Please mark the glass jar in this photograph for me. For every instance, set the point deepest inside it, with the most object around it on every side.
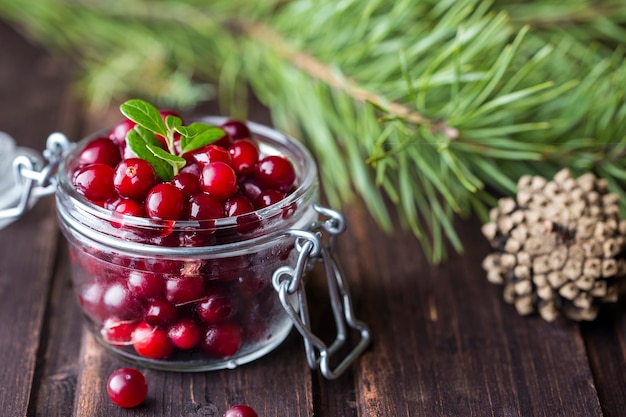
(200, 295)
(137, 279)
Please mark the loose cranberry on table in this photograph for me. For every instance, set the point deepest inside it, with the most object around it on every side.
(240, 410)
(127, 387)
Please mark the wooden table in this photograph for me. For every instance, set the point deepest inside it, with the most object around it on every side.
(445, 344)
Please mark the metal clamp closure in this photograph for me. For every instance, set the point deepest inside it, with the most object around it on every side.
(33, 177)
(288, 283)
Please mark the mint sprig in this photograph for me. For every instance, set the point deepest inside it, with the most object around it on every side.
(143, 140)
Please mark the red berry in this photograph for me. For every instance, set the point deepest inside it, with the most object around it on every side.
(236, 129)
(117, 332)
(245, 155)
(209, 153)
(193, 168)
(120, 302)
(95, 182)
(185, 334)
(240, 410)
(203, 206)
(187, 182)
(218, 179)
(160, 313)
(90, 299)
(134, 177)
(237, 206)
(184, 289)
(241, 207)
(151, 342)
(222, 339)
(112, 202)
(100, 151)
(127, 387)
(145, 285)
(119, 132)
(129, 207)
(165, 202)
(224, 141)
(275, 172)
(218, 306)
(267, 198)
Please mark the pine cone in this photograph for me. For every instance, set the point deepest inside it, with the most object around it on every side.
(559, 246)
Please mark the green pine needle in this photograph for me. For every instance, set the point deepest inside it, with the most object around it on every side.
(424, 109)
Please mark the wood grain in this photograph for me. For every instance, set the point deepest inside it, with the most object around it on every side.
(32, 86)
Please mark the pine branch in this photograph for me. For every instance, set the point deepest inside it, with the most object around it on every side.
(437, 107)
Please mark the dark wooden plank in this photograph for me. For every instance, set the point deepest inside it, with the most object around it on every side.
(605, 340)
(273, 384)
(445, 343)
(57, 366)
(31, 86)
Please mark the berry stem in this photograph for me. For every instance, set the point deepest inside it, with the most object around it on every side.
(171, 148)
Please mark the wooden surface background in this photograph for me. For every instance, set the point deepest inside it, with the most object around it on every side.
(444, 343)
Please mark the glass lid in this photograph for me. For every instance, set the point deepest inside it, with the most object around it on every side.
(10, 192)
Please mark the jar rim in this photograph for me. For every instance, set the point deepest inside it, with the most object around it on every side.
(270, 139)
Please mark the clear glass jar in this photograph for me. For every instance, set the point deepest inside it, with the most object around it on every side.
(127, 271)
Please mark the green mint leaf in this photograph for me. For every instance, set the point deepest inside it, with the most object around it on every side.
(148, 136)
(197, 135)
(189, 132)
(144, 114)
(140, 147)
(172, 122)
(176, 162)
(193, 129)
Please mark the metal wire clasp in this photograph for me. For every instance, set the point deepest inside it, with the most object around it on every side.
(33, 177)
(288, 282)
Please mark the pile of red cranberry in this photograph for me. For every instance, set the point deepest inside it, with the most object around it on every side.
(160, 307)
(223, 179)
